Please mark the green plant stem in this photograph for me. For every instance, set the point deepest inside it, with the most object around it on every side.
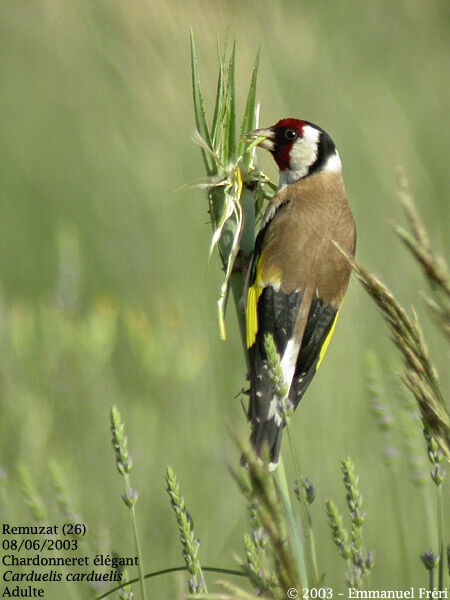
(429, 513)
(312, 543)
(136, 541)
(296, 536)
(173, 570)
(294, 457)
(440, 514)
(246, 245)
(281, 481)
(305, 513)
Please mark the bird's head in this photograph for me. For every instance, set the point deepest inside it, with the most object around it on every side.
(299, 148)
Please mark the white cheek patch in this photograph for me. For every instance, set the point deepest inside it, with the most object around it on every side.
(304, 151)
(303, 154)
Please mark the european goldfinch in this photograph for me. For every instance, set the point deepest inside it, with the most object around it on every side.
(297, 277)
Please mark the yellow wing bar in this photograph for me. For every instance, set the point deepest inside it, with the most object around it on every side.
(254, 292)
(327, 341)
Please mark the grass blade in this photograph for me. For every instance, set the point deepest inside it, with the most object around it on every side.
(200, 116)
(230, 119)
(219, 108)
(249, 120)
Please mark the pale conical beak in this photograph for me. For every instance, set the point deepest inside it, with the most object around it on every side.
(268, 143)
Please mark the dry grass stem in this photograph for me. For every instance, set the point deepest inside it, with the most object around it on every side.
(420, 376)
(433, 265)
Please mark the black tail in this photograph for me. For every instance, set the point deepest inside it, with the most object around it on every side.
(266, 440)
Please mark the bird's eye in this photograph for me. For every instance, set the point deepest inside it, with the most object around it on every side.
(290, 135)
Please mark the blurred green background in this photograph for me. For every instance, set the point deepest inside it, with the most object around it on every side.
(103, 258)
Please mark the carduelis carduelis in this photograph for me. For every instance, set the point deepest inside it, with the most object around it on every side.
(297, 277)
